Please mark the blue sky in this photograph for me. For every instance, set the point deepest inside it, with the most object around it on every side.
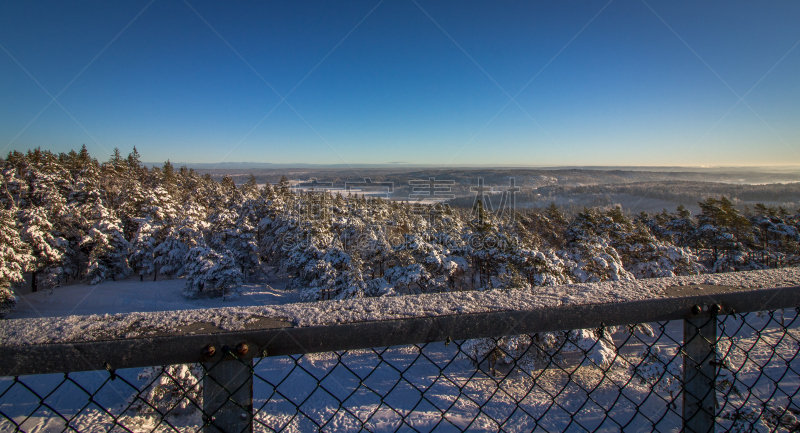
(410, 82)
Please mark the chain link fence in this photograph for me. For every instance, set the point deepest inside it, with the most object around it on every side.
(726, 372)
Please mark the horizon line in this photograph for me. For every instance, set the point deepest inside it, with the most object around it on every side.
(299, 165)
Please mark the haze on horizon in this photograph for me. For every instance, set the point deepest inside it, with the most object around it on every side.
(245, 165)
(609, 83)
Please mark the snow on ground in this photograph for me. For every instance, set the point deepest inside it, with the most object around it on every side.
(87, 328)
(132, 295)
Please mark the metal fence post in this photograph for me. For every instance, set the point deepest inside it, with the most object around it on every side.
(228, 396)
(699, 373)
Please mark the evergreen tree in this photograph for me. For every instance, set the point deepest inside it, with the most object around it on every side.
(545, 268)
(249, 190)
(116, 161)
(590, 239)
(682, 229)
(283, 186)
(14, 259)
(234, 230)
(212, 274)
(554, 226)
(47, 250)
(727, 236)
(109, 250)
(647, 257)
(776, 238)
(134, 162)
(185, 234)
(143, 247)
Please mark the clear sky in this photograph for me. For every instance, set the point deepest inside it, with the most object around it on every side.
(621, 82)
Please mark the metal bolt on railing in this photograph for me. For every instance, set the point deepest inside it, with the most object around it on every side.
(208, 351)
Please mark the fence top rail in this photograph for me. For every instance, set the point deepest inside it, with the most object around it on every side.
(92, 328)
(110, 341)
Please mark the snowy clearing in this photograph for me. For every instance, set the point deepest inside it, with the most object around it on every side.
(132, 295)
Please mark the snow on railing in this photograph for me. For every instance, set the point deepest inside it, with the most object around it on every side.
(519, 358)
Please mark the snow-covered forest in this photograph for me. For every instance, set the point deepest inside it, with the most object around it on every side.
(69, 217)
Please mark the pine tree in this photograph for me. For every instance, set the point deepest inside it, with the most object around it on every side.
(590, 239)
(143, 247)
(375, 249)
(159, 215)
(545, 268)
(234, 230)
(283, 186)
(349, 282)
(185, 234)
(480, 241)
(777, 240)
(116, 161)
(647, 257)
(134, 162)
(682, 229)
(14, 259)
(109, 250)
(168, 176)
(249, 189)
(555, 225)
(727, 235)
(47, 250)
(211, 274)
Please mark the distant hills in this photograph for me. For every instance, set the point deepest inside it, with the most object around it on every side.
(403, 165)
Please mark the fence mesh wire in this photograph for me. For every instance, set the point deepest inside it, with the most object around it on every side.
(627, 378)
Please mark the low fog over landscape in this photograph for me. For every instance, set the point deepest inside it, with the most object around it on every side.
(635, 189)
